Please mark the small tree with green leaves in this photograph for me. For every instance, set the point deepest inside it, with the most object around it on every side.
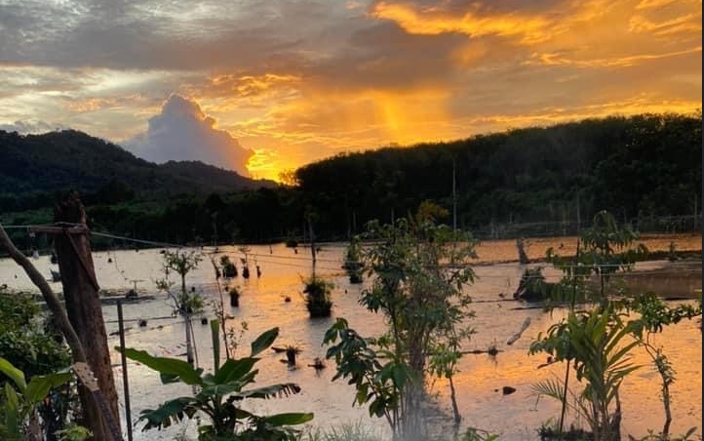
(317, 293)
(352, 263)
(229, 269)
(603, 250)
(186, 303)
(420, 270)
(654, 316)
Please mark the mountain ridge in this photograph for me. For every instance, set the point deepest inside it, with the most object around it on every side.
(57, 161)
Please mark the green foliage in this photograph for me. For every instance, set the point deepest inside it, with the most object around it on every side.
(689, 435)
(603, 250)
(593, 340)
(228, 267)
(419, 271)
(74, 433)
(595, 343)
(346, 432)
(24, 339)
(638, 166)
(28, 342)
(654, 315)
(71, 159)
(220, 395)
(352, 263)
(317, 296)
(182, 263)
(20, 399)
(475, 434)
(632, 166)
(378, 385)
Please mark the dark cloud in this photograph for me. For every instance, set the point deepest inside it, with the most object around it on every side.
(384, 56)
(162, 35)
(182, 132)
(31, 126)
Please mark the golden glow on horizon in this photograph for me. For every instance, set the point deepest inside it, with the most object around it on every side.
(379, 72)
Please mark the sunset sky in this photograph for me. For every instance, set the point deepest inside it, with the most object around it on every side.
(262, 86)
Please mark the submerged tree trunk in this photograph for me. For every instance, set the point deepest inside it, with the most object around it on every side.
(455, 408)
(84, 311)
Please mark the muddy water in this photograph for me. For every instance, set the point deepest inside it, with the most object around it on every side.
(262, 306)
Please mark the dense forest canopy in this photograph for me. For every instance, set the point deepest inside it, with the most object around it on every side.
(645, 165)
(635, 167)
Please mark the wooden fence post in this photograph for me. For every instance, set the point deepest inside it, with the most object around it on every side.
(80, 288)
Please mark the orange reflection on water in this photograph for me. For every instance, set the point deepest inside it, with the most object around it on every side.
(497, 250)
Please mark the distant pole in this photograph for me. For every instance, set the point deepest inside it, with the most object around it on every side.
(454, 198)
(125, 382)
(579, 217)
(312, 242)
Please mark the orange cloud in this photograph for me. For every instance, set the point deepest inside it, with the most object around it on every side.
(689, 23)
(351, 77)
(556, 59)
(433, 21)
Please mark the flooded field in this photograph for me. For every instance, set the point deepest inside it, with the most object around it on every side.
(262, 306)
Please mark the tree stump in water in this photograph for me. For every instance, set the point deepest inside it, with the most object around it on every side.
(522, 256)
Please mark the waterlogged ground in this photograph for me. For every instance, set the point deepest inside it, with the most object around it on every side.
(515, 417)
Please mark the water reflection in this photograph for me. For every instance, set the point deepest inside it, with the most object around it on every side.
(481, 378)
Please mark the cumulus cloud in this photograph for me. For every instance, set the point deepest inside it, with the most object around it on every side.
(183, 132)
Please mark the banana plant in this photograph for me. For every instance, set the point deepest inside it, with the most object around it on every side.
(220, 396)
(596, 343)
(19, 404)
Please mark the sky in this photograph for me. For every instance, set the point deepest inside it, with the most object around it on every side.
(265, 86)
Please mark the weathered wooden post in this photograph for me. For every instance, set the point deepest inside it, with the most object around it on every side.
(80, 288)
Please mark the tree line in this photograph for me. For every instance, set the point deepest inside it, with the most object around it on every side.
(634, 167)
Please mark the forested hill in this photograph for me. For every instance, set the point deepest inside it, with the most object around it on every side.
(35, 167)
(632, 166)
(526, 182)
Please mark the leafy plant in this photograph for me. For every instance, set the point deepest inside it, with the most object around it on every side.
(228, 267)
(652, 436)
(19, 405)
(317, 296)
(352, 263)
(654, 316)
(378, 385)
(594, 342)
(220, 395)
(603, 250)
(185, 303)
(29, 343)
(419, 271)
(475, 434)
(74, 433)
